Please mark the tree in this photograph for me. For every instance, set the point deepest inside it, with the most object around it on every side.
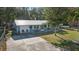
(36, 13)
(10, 14)
(55, 16)
(73, 16)
(2, 15)
(7, 15)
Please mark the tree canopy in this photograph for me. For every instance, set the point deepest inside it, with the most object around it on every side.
(55, 15)
(64, 15)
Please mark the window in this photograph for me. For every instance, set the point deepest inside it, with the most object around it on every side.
(26, 30)
(34, 26)
(30, 27)
(44, 25)
(22, 30)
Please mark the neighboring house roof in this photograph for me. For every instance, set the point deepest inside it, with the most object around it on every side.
(30, 22)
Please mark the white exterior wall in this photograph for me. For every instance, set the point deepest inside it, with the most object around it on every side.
(24, 28)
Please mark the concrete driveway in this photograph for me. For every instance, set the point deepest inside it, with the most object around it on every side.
(30, 44)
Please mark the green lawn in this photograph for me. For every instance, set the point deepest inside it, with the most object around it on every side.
(64, 39)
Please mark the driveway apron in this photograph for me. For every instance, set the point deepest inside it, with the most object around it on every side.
(30, 44)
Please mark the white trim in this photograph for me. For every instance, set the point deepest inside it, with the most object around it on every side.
(30, 22)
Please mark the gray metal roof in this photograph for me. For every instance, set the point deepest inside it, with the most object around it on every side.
(30, 22)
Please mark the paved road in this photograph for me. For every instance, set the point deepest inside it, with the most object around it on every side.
(30, 44)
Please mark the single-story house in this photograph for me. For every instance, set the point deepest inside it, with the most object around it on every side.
(26, 26)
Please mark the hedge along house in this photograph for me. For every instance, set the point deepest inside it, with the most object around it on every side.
(29, 26)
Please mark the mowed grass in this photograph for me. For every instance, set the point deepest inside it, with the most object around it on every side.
(64, 39)
(70, 34)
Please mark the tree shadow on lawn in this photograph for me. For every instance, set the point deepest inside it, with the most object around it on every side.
(67, 45)
(62, 32)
